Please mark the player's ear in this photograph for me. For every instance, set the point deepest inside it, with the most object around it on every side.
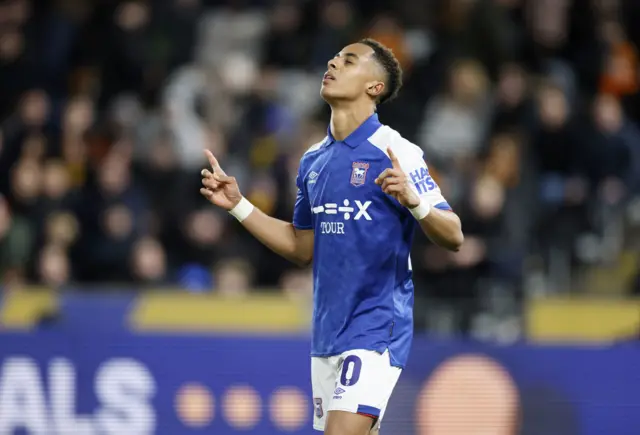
(375, 89)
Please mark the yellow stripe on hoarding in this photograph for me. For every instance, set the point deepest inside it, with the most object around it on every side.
(184, 312)
(582, 320)
(547, 320)
(24, 309)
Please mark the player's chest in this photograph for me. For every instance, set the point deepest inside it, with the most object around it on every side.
(343, 183)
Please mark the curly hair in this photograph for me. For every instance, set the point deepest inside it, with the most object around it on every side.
(384, 56)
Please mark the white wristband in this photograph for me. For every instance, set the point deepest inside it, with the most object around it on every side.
(242, 210)
(421, 210)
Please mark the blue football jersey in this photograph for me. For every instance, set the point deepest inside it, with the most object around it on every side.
(363, 291)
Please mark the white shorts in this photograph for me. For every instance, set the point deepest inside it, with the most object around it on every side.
(358, 381)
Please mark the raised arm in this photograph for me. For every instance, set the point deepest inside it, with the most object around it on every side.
(422, 197)
(294, 244)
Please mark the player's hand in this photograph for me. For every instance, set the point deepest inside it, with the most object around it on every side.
(219, 188)
(394, 182)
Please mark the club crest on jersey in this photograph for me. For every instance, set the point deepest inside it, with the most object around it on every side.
(359, 173)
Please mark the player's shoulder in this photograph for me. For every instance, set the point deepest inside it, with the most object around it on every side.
(313, 150)
(386, 137)
(315, 147)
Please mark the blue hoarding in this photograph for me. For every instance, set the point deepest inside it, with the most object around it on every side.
(115, 382)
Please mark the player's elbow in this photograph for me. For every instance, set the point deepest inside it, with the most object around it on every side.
(301, 257)
(455, 236)
(304, 261)
(456, 241)
(302, 249)
(448, 234)
(452, 240)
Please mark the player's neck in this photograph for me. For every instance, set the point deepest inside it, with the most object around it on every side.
(346, 119)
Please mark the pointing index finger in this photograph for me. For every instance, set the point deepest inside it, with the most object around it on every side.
(394, 160)
(214, 162)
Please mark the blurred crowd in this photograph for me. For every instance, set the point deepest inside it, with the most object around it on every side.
(527, 110)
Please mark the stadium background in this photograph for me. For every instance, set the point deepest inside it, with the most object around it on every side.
(130, 306)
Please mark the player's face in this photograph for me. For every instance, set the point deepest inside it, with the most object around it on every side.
(352, 74)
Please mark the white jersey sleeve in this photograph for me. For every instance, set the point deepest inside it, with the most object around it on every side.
(411, 158)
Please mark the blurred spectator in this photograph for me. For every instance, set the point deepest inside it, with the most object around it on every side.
(202, 230)
(16, 242)
(195, 278)
(457, 280)
(513, 111)
(481, 30)
(56, 183)
(609, 150)
(61, 229)
(387, 29)
(456, 122)
(148, 264)
(504, 159)
(563, 185)
(233, 277)
(557, 140)
(27, 186)
(54, 269)
(335, 30)
(283, 47)
(34, 147)
(78, 116)
(620, 76)
(34, 109)
(235, 27)
(298, 284)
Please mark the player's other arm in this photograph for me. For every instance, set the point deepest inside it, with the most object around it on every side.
(296, 245)
(281, 237)
(442, 226)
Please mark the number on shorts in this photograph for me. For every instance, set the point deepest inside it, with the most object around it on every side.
(350, 370)
(317, 401)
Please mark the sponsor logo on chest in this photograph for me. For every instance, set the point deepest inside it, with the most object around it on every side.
(346, 211)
